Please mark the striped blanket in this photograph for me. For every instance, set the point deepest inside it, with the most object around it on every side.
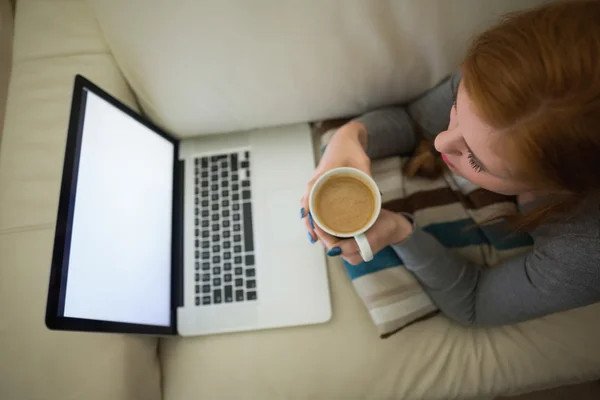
(450, 208)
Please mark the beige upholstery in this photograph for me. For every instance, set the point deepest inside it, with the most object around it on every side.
(343, 359)
(53, 40)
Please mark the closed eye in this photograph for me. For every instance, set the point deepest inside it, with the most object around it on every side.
(474, 163)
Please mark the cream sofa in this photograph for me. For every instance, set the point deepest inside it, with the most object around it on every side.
(201, 67)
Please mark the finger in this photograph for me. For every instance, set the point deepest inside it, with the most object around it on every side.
(309, 224)
(304, 203)
(337, 246)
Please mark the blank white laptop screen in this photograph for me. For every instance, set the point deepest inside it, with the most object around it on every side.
(119, 265)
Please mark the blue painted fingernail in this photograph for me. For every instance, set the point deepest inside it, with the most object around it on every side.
(336, 251)
(302, 213)
(310, 238)
(312, 224)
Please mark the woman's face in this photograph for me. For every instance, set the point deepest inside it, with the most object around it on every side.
(469, 148)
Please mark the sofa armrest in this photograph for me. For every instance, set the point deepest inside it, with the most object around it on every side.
(54, 40)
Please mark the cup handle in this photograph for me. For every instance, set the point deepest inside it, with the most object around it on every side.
(364, 247)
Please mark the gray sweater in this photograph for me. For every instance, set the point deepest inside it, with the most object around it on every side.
(561, 272)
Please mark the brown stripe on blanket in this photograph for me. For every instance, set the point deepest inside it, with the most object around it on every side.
(392, 296)
(480, 198)
(391, 327)
(421, 200)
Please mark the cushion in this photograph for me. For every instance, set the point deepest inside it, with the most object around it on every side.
(202, 67)
(54, 40)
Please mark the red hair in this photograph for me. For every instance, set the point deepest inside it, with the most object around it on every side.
(535, 77)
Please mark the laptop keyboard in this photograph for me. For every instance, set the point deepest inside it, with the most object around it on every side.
(223, 240)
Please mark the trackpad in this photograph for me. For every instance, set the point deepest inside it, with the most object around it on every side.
(283, 210)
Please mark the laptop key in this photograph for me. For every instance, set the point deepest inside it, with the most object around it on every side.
(227, 278)
(238, 270)
(205, 288)
(246, 195)
(234, 162)
(215, 228)
(250, 272)
(205, 244)
(245, 184)
(197, 300)
(204, 213)
(235, 197)
(217, 281)
(217, 296)
(235, 207)
(197, 277)
(214, 168)
(226, 245)
(197, 222)
(226, 234)
(214, 187)
(215, 217)
(204, 184)
(204, 162)
(205, 193)
(227, 256)
(249, 259)
(216, 248)
(197, 289)
(251, 284)
(225, 184)
(239, 295)
(215, 207)
(204, 203)
(217, 270)
(205, 255)
(237, 238)
(197, 266)
(226, 223)
(205, 300)
(238, 259)
(239, 282)
(214, 178)
(205, 277)
(228, 294)
(217, 259)
(237, 249)
(227, 266)
(234, 177)
(205, 266)
(251, 295)
(225, 202)
(236, 217)
(205, 234)
(204, 223)
(245, 164)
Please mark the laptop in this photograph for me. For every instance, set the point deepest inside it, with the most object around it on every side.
(162, 236)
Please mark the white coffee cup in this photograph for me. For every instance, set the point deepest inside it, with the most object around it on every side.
(360, 237)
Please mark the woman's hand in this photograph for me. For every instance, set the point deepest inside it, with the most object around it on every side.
(389, 228)
(345, 149)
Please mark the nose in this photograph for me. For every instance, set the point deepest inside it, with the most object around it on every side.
(449, 142)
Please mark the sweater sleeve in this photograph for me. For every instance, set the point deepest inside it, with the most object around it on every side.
(395, 130)
(557, 275)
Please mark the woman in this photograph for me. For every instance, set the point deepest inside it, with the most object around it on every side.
(522, 118)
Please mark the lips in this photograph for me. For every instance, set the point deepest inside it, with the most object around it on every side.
(445, 158)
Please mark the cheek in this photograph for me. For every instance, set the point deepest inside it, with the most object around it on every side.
(493, 184)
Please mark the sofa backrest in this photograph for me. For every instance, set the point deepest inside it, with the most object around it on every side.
(202, 67)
